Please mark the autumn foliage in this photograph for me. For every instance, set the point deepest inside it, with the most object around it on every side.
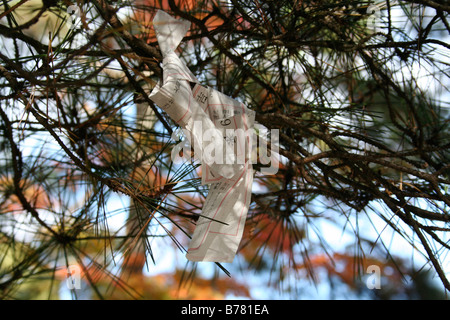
(88, 186)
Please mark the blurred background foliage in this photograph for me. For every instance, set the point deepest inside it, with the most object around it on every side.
(358, 90)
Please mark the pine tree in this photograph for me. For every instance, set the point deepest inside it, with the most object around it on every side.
(358, 91)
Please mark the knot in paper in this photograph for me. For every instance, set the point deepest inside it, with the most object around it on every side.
(217, 127)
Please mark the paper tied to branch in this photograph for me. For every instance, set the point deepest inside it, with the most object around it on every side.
(212, 120)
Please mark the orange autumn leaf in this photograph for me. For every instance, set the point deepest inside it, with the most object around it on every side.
(348, 267)
(92, 273)
(144, 18)
(204, 289)
(34, 194)
(275, 233)
(165, 286)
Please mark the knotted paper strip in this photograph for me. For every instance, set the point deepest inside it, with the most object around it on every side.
(207, 115)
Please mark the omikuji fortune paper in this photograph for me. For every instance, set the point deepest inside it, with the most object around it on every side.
(207, 114)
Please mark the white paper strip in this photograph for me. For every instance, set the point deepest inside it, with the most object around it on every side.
(217, 125)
